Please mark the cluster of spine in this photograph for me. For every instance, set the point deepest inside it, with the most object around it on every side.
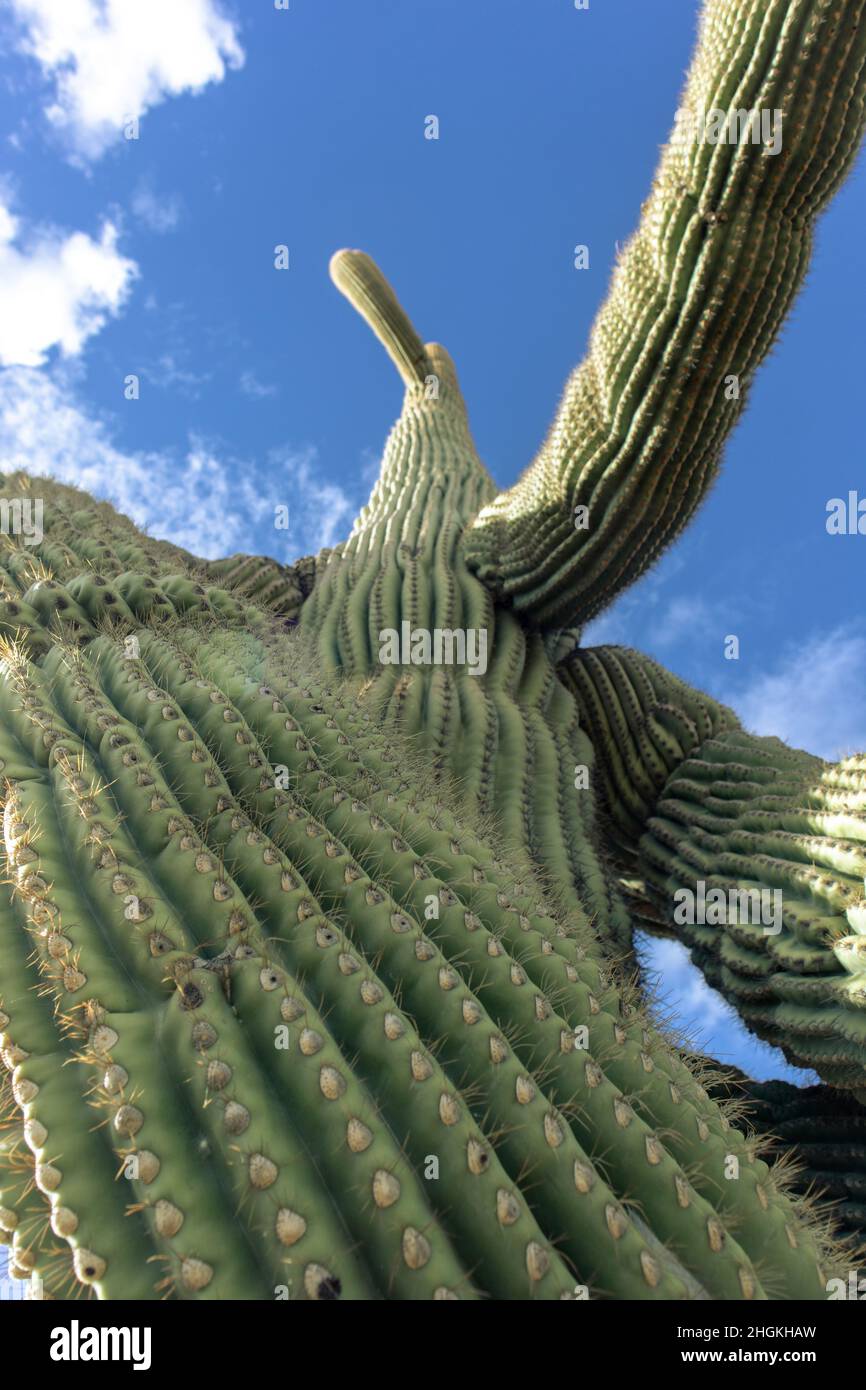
(257, 579)
(818, 1131)
(243, 955)
(705, 807)
(91, 569)
(697, 299)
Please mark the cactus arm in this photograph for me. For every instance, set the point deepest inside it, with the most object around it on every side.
(823, 1130)
(358, 277)
(697, 299)
(265, 582)
(697, 804)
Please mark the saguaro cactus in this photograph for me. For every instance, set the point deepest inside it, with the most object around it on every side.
(314, 955)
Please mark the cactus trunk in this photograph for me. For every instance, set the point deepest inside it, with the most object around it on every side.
(316, 941)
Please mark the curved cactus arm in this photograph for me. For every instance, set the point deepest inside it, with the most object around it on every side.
(358, 277)
(822, 1130)
(259, 579)
(755, 852)
(696, 301)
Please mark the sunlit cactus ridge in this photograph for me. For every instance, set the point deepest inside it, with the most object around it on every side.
(316, 967)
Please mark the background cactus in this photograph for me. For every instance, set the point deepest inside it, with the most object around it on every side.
(315, 968)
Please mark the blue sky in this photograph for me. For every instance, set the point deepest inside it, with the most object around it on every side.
(305, 127)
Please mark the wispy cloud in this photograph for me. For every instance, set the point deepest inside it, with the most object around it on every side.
(371, 466)
(814, 697)
(251, 386)
(168, 372)
(625, 622)
(110, 60)
(56, 289)
(682, 987)
(680, 620)
(159, 212)
(662, 617)
(202, 497)
(321, 512)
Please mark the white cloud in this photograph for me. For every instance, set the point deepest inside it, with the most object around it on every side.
(251, 386)
(115, 59)
(701, 1017)
(371, 466)
(56, 289)
(209, 503)
(683, 988)
(159, 214)
(811, 694)
(168, 372)
(816, 696)
(624, 623)
(681, 621)
(321, 512)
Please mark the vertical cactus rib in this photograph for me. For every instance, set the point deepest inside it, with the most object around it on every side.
(335, 820)
(468, 1139)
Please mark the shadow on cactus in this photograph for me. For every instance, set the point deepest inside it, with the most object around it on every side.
(315, 954)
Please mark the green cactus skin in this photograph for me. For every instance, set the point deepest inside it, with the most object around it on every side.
(823, 1130)
(694, 799)
(699, 295)
(315, 969)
